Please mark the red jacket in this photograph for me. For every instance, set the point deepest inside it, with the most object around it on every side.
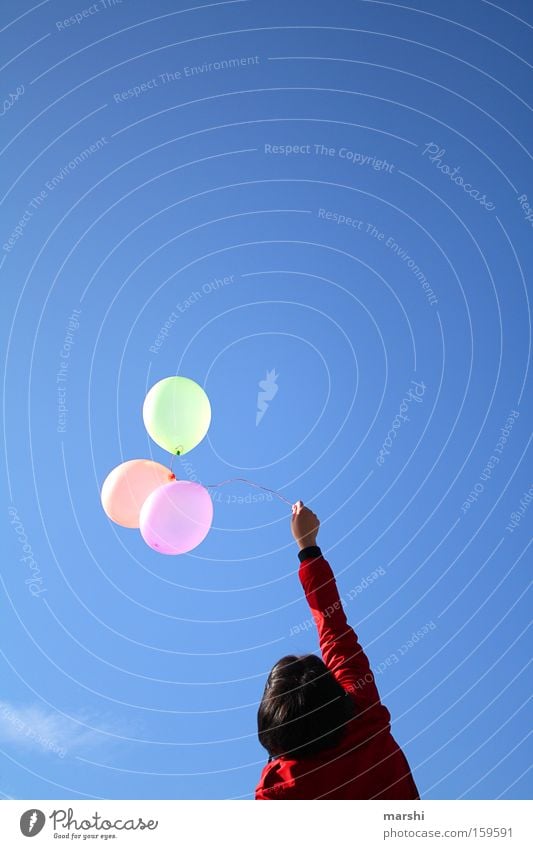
(367, 763)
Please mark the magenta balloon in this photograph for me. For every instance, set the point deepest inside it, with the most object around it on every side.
(176, 517)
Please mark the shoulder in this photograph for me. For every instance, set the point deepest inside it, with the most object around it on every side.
(276, 781)
(368, 723)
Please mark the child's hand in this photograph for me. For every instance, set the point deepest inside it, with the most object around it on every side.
(304, 525)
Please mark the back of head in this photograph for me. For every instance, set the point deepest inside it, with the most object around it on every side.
(304, 710)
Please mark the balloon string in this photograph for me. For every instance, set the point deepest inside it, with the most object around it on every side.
(230, 480)
(245, 480)
(177, 454)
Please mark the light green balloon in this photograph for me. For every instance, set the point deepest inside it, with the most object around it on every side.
(177, 414)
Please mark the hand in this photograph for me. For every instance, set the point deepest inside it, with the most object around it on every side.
(304, 525)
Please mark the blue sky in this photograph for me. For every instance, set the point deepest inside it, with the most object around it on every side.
(339, 197)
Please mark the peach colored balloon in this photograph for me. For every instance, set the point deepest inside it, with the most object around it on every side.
(127, 487)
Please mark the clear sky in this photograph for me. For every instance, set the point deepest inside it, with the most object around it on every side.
(334, 199)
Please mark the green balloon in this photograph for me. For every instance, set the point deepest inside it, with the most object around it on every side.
(177, 414)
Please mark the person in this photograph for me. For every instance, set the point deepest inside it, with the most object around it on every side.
(327, 734)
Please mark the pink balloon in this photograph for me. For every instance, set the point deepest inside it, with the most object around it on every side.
(127, 487)
(176, 517)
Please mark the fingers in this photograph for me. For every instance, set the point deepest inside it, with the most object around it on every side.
(299, 506)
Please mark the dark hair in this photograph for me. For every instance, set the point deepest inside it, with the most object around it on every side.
(303, 710)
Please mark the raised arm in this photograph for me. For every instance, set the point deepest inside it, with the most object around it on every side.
(339, 645)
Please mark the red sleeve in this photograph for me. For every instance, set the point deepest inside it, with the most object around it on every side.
(339, 645)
